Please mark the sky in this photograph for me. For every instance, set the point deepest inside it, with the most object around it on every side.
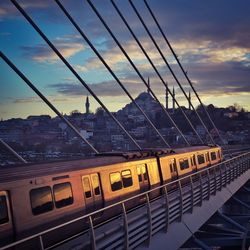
(211, 39)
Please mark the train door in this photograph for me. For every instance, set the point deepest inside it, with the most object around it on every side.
(173, 169)
(142, 172)
(6, 224)
(92, 192)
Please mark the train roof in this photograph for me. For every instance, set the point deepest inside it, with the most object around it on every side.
(55, 167)
(32, 170)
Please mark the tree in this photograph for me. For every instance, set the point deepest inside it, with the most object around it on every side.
(99, 111)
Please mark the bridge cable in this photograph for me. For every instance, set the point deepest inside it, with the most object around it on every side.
(169, 67)
(28, 18)
(25, 79)
(135, 68)
(13, 151)
(155, 69)
(182, 69)
(110, 70)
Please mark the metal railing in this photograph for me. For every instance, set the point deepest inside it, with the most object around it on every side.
(132, 227)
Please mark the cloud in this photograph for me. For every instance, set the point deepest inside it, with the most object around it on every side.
(74, 89)
(67, 45)
(80, 68)
(8, 10)
(209, 52)
(26, 100)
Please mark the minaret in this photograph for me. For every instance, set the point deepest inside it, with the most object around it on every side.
(173, 100)
(87, 105)
(189, 100)
(148, 86)
(166, 98)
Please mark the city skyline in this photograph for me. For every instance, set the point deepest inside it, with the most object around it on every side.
(212, 43)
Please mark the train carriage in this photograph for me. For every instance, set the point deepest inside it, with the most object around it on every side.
(35, 197)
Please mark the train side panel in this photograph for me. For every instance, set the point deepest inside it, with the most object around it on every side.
(50, 201)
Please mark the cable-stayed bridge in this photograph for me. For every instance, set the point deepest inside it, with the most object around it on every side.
(203, 209)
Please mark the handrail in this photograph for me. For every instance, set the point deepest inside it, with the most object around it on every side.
(146, 193)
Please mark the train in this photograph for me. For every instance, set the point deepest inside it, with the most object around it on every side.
(35, 197)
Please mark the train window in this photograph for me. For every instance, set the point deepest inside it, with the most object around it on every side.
(115, 180)
(213, 156)
(201, 159)
(86, 187)
(63, 194)
(127, 178)
(96, 184)
(144, 172)
(184, 163)
(139, 174)
(41, 200)
(4, 217)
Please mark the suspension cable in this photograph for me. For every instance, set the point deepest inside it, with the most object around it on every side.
(28, 18)
(13, 151)
(25, 79)
(109, 69)
(154, 67)
(182, 69)
(135, 68)
(169, 67)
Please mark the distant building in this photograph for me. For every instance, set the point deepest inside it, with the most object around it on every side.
(86, 133)
(173, 101)
(87, 105)
(231, 114)
(148, 89)
(189, 100)
(200, 130)
(166, 98)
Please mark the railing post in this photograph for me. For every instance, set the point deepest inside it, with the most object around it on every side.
(201, 189)
(208, 185)
(221, 184)
(149, 219)
(227, 173)
(192, 194)
(235, 170)
(92, 234)
(41, 242)
(240, 170)
(231, 171)
(181, 199)
(248, 162)
(215, 181)
(125, 224)
(245, 161)
(244, 166)
(166, 207)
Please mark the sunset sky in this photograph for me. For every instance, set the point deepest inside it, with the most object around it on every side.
(211, 38)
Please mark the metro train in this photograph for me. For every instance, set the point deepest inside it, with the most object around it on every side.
(35, 197)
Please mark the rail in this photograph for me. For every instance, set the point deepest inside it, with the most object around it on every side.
(131, 227)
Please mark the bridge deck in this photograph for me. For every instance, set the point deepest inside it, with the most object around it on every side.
(169, 219)
(179, 232)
